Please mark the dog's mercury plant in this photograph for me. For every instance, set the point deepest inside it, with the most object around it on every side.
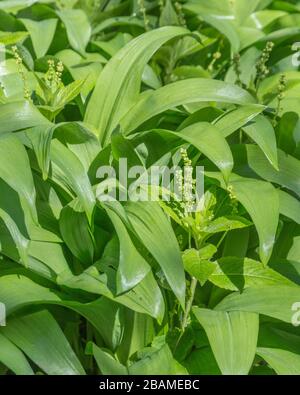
(180, 13)
(54, 74)
(262, 69)
(280, 94)
(21, 72)
(215, 57)
(237, 68)
(143, 12)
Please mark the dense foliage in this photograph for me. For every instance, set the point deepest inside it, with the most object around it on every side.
(147, 287)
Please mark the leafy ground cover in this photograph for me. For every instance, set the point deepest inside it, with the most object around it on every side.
(94, 287)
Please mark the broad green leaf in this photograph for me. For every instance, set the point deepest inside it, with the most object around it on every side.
(234, 10)
(70, 173)
(193, 90)
(263, 18)
(13, 358)
(41, 34)
(39, 336)
(118, 21)
(264, 211)
(261, 201)
(40, 139)
(74, 228)
(8, 38)
(202, 362)
(18, 291)
(15, 5)
(261, 131)
(226, 17)
(132, 342)
(145, 298)
(274, 301)
(197, 266)
(78, 37)
(68, 93)
(289, 206)
(19, 166)
(168, 15)
(237, 274)
(236, 243)
(209, 141)
(41, 251)
(22, 243)
(226, 224)
(80, 140)
(118, 86)
(132, 267)
(107, 364)
(232, 336)
(20, 115)
(110, 311)
(157, 362)
(250, 156)
(153, 229)
(282, 361)
(235, 119)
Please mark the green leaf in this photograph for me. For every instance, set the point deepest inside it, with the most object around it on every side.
(289, 206)
(13, 358)
(202, 362)
(108, 365)
(236, 243)
(192, 90)
(20, 115)
(68, 93)
(261, 201)
(145, 298)
(41, 34)
(273, 301)
(197, 266)
(22, 243)
(14, 6)
(42, 340)
(201, 135)
(19, 166)
(41, 251)
(118, 21)
(226, 224)
(8, 38)
(74, 228)
(78, 37)
(168, 15)
(132, 342)
(250, 156)
(158, 362)
(282, 361)
(40, 139)
(232, 336)
(261, 131)
(235, 119)
(132, 268)
(237, 274)
(70, 173)
(153, 229)
(118, 86)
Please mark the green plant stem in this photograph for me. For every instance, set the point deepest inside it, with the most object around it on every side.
(189, 303)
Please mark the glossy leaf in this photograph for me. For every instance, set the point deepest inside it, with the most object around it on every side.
(232, 336)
